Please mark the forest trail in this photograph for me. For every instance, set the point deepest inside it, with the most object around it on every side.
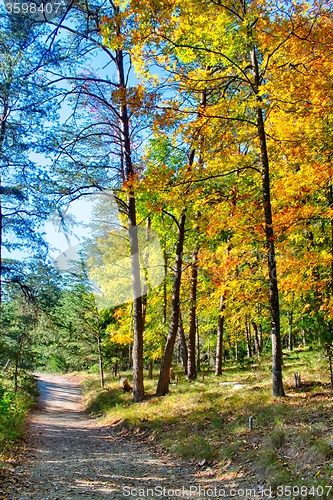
(75, 458)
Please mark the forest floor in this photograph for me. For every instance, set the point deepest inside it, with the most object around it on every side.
(289, 450)
(69, 456)
(193, 443)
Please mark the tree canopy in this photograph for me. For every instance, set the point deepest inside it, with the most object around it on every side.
(212, 136)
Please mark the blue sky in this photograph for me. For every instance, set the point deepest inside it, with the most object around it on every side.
(81, 209)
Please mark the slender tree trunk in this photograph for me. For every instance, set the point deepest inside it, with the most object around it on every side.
(260, 329)
(226, 351)
(290, 333)
(138, 388)
(99, 348)
(182, 343)
(236, 345)
(150, 371)
(1, 222)
(329, 349)
(330, 199)
(191, 368)
(100, 359)
(16, 374)
(3, 126)
(163, 383)
(165, 302)
(219, 342)
(100, 354)
(248, 338)
(145, 280)
(17, 360)
(273, 284)
(255, 337)
(130, 357)
(331, 371)
(6, 365)
(198, 346)
(208, 353)
(145, 292)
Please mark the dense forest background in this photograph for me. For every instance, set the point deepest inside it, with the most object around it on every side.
(200, 132)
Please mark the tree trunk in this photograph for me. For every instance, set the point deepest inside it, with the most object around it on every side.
(130, 358)
(182, 343)
(164, 379)
(260, 328)
(290, 333)
(198, 346)
(236, 345)
(248, 338)
(255, 337)
(330, 200)
(165, 302)
(17, 360)
(191, 368)
(273, 284)
(297, 380)
(138, 388)
(145, 280)
(150, 369)
(100, 359)
(3, 126)
(219, 343)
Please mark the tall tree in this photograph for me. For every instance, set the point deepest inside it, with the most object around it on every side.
(26, 105)
(107, 119)
(164, 379)
(190, 38)
(191, 366)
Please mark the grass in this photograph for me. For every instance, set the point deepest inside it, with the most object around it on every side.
(290, 442)
(13, 409)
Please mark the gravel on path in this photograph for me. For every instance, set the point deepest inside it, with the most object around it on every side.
(74, 457)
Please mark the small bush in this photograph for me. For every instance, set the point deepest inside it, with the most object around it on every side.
(12, 410)
(28, 386)
(94, 368)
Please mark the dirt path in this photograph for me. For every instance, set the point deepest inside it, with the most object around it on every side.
(73, 457)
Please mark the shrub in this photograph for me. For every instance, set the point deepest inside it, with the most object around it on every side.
(12, 410)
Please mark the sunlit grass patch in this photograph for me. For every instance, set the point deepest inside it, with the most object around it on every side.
(209, 418)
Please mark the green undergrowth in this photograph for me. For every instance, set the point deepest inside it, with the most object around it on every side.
(291, 441)
(13, 409)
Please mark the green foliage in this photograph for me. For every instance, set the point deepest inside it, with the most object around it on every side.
(13, 408)
(94, 368)
(11, 415)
